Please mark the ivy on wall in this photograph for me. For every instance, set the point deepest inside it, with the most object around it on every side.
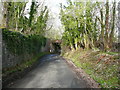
(18, 43)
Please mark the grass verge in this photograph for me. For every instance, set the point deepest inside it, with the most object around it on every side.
(101, 66)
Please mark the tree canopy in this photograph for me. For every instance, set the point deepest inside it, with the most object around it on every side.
(89, 24)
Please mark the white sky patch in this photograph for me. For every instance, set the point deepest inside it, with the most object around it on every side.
(54, 20)
(97, 0)
(54, 8)
(27, 8)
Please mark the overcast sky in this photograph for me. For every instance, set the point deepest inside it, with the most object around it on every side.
(54, 7)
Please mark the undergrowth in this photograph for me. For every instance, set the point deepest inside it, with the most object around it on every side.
(101, 66)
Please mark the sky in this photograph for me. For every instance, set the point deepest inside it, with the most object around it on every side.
(54, 20)
(54, 7)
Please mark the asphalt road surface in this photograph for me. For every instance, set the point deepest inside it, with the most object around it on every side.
(52, 72)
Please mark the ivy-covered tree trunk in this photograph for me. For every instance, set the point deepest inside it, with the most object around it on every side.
(106, 43)
(102, 30)
(31, 13)
(111, 38)
(7, 8)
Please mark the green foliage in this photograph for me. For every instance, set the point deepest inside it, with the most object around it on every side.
(78, 23)
(16, 19)
(40, 25)
(14, 14)
(32, 10)
(19, 44)
(85, 27)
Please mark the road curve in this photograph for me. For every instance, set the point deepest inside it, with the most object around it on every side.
(52, 72)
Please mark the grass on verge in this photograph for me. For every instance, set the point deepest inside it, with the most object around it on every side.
(101, 66)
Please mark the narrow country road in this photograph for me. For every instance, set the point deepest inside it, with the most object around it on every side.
(53, 72)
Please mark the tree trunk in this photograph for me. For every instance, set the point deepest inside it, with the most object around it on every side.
(113, 26)
(102, 30)
(7, 6)
(76, 45)
(106, 26)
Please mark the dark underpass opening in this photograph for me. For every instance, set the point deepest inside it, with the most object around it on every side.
(57, 46)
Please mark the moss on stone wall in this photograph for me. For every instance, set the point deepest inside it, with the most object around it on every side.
(18, 48)
(18, 43)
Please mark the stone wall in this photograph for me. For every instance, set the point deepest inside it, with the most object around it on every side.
(30, 48)
(47, 46)
(9, 59)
